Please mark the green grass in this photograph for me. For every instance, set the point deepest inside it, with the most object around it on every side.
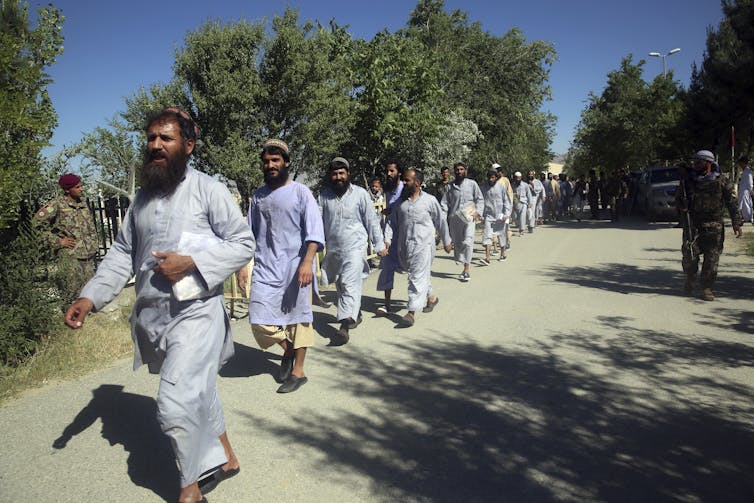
(67, 354)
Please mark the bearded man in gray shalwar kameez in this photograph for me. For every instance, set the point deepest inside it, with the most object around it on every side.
(350, 222)
(463, 203)
(412, 225)
(182, 237)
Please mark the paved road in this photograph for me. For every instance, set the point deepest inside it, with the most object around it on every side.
(572, 372)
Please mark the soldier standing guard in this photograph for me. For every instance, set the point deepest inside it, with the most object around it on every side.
(67, 225)
(701, 198)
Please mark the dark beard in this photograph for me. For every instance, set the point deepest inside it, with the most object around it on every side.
(391, 184)
(340, 189)
(408, 191)
(275, 181)
(460, 179)
(163, 180)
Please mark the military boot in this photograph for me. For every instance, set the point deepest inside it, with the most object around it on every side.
(688, 287)
(707, 294)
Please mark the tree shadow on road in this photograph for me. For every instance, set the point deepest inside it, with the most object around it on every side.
(624, 422)
(131, 421)
(631, 279)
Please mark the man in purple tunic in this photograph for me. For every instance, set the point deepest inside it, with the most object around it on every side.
(285, 220)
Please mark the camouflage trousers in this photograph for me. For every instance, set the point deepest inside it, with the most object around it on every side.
(74, 274)
(709, 242)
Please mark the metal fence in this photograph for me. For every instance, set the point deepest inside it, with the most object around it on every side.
(108, 215)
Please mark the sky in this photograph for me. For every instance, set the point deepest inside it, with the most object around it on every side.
(114, 47)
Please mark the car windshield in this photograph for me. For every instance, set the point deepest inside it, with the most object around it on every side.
(664, 175)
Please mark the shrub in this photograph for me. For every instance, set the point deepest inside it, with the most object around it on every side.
(30, 296)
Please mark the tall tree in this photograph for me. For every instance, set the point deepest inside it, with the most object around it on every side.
(307, 73)
(27, 117)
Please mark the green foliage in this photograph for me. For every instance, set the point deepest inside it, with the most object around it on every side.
(721, 93)
(31, 296)
(112, 156)
(398, 99)
(306, 71)
(26, 114)
(630, 125)
(499, 83)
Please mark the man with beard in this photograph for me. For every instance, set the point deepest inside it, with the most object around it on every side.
(535, 210)
(411, 228)
(463, 203)
(286, 223)
(390, 263)
(441, 185)
(497, 212)
(67, 225)
(182, 236)
(350, 223)
(522, 200)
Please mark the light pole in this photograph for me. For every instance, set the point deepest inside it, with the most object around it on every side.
(663, 56)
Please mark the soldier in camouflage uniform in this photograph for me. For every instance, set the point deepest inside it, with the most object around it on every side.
(706, 194)
(66, 224)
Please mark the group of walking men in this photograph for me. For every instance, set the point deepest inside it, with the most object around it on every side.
(184, 234)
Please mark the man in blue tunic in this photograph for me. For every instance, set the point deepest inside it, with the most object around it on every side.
(182, 237)
(350, 222)
(287, 226)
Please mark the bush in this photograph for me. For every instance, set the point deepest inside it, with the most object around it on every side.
(30, 296)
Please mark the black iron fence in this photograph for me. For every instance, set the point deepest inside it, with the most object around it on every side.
(108, 215)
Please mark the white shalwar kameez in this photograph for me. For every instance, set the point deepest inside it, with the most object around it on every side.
(185, 341)
(535, 210)
(411, 227)
(350, 222)
(497, 212)
(744, 195)
(456, 204)
(525, 199)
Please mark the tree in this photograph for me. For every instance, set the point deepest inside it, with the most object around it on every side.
(113, 155)
(398, 101)
(308, 77)
(499, 83)
(27, 117)
(721, 93)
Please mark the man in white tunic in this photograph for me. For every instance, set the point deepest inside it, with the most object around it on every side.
(523, 199)
(390, 262)
(182, 237)
(744, 190)
(463, 203)
(538, 192)
(287, 226)
(497, 212)
(412, 226)
(350, 223)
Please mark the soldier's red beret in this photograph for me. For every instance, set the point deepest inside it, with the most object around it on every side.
(68, 181)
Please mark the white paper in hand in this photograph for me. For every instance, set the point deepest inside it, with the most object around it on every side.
(191, 286)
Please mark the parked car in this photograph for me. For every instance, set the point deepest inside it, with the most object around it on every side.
(655, 192)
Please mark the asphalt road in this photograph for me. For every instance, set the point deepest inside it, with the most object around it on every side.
(575, 371)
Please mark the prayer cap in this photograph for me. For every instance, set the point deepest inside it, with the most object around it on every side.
(342, 160)
(274, 142)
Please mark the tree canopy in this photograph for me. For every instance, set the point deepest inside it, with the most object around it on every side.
(27, 117)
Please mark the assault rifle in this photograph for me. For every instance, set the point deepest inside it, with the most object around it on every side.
(689, 236)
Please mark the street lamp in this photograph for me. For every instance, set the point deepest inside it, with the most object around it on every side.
(663, 56)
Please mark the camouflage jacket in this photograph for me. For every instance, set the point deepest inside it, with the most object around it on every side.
(61, 218)
(707, 198)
